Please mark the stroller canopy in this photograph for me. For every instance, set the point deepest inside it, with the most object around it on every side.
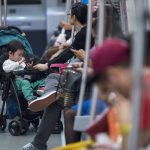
(8, 34)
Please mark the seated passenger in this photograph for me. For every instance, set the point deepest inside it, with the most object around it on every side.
(16, 62)
(52, 112)
(78, 43)
(111, 64)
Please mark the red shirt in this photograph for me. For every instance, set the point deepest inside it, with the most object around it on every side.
(145, 104)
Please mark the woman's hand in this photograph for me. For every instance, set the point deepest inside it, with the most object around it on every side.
(63, 46)
(41, 67)
(79, 68)
(65, 25)
(79, 53)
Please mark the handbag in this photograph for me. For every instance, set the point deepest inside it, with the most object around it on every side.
(70, 85)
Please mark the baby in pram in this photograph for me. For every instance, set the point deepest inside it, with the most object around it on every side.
(16, 62)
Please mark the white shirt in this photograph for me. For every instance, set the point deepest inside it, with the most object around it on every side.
(10, 65)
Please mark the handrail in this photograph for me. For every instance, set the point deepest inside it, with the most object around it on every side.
(68, 6)
(123, 9)
(5, 13)
(137, 64)
(87, 48)
(99, 41)
(130, 5)
(0, 12)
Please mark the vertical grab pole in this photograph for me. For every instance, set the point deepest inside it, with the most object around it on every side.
(130, 9)
(88, 44)
(68, 6)
(137, 64)
(99, 41)
(123, 16)
(72, 34)
(101, 23)
(5, 13)
(0, 12)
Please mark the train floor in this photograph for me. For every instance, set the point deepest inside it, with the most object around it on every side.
(9, 142)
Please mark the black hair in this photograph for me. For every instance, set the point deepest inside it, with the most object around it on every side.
(129, 39)
(80, 11)
(14, 45)
(111, 22)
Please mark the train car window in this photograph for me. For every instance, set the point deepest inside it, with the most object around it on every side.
(21, 2)
(62, 1)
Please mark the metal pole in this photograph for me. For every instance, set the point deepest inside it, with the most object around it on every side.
(130, 9)
(101, 23)
(72, 33)
(5, 12)
(68, 7)
(87, 48)
(94, 102)
(137, 64)
(123, 16)
(147, 9)
(0, 12)
(99, 41)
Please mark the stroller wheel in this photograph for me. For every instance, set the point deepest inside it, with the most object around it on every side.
(3, 123)
(25, 126)
(14, 128)
(35, 123)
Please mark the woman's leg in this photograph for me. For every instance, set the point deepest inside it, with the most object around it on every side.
(71, 135)
(50, 95)
(49, 119)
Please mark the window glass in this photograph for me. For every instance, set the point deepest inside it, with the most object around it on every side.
(19, 2)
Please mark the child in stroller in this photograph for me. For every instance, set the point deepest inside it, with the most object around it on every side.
(16, 62)
(22, 117)
(16, 104)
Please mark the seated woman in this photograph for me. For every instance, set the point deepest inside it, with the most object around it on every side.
(71, 135)
(78, 18)
(52, 112)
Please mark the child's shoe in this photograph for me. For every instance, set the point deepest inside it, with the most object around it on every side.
(40, 91)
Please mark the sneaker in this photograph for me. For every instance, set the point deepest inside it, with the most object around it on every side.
(29, 146)
(42, 102)
(40, 91)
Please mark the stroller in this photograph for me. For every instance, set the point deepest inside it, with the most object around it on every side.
(14, 100)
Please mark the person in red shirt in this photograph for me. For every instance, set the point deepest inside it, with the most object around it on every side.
(111, 66)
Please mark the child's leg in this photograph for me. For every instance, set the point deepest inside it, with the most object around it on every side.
(37, 84)
(26, 88)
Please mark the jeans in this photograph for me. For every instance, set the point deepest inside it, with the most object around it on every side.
(49, 120)
(50, 116)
